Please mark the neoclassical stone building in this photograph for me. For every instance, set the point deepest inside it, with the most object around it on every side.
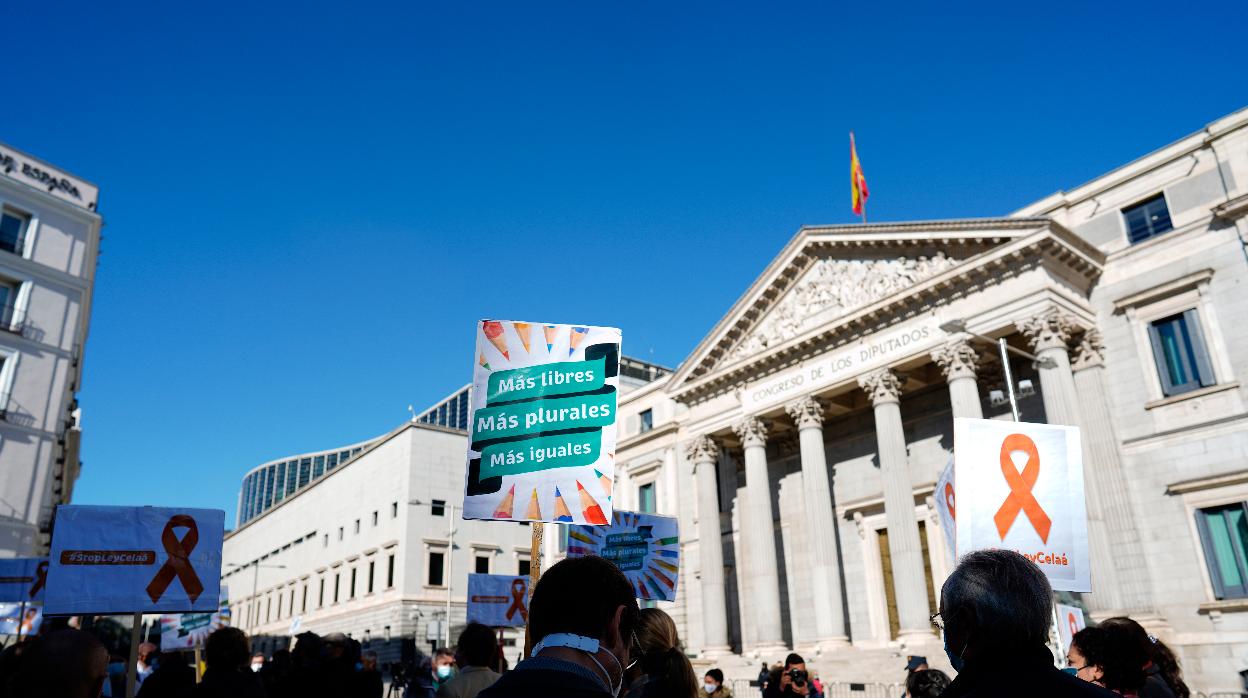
(800, 441)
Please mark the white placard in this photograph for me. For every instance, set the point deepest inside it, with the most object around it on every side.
(29, 617)
(947, 509)
(184, 631)
(1020, 487)
(1069, 621)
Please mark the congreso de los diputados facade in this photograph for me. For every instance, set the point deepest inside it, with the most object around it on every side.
(800, 442)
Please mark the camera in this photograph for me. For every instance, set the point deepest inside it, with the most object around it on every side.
(398, 674)
(797, 676)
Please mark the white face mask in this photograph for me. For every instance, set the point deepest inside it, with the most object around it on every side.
(589, 646)
(710, 687)
(444, 671)
(257, 666)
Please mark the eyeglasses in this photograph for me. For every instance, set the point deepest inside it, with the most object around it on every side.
(937, 622)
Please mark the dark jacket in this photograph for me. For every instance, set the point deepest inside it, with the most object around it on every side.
(1154, 685)
(171, 679)
(1027, 673)
(240, 683)
(541, 677)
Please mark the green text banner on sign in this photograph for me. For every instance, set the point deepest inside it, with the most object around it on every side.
(542, 418)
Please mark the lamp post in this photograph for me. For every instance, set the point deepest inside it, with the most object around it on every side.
(450, 568)
(959, 326)
(255, 581)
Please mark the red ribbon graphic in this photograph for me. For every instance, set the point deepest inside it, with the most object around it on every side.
(1074, 627)
(953, 511)
(1021, 499)
(517, 601)
(179, 564)
(41, 578)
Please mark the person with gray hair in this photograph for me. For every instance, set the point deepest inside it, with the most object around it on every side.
(995, 612)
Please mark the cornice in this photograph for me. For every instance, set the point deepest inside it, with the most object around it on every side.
(664, 429)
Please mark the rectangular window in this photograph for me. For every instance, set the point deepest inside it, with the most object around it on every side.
(340, 533)
(357, 525)
(374, 518)
(1224, 536)
(394, 510)
(325, 543)
(331, 461)
(646, 499)
(483, 564)
(522, 567)
(290, 611)
(318, 467)
(9, 319)
(1180, 353)
(1147, 219)
(563, 538)
(320, 596)
(390, 572)
(337, 585)
(13, 231)
(438, 507)
(352, 596)
(371, 565)
(647, 421)
(303, 604)
(435, 578)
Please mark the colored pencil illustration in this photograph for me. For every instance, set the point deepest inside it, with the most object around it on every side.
(522, 329)
(561, 508)
(551, 332)
(575, 339)
(484, 364)
(505, 508)
(493, 330)
(606, 482)
(535, 510)
(591, 510)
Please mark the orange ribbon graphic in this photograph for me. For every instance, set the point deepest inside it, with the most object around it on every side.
(517, 601)
(1021, 499)
(179, 563)
(1070, 619)
(953, 511)
(41, 578)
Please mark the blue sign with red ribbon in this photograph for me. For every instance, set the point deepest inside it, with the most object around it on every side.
(108, 559)
(23, 579)
(498, 600)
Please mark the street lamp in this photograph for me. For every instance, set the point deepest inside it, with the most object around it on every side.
(255, 580)
(959, 326)
(450, 568)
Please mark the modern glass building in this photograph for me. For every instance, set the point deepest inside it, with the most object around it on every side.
(452, 412)
(268, 484)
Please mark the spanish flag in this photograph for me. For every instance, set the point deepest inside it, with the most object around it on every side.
(857, 180)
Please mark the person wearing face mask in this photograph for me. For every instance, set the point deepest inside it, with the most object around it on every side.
(475, 652)
(662, 669)
(443, 667)
(714, 686)
(1095, 656)
(582, 619)
(995, 612)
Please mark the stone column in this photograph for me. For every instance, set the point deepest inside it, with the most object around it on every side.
(764, 570)
(957, 360)
(826, 571)
(703, 452)
(904, 545)
(1120, 575)
(1048, 334)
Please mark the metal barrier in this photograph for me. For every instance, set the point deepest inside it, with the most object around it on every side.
(744, 688)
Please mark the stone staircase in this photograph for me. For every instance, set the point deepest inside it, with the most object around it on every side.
(883, 665)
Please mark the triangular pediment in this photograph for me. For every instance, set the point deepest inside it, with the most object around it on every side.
(828, 274)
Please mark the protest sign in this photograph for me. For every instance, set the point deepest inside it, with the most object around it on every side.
(184, 631)
(1069, 621)
(646, 547)
(543, 422)
(498, 600)
(12, 613)
(1020, 487)
(947, 509)
(23, 579)
(108, 559)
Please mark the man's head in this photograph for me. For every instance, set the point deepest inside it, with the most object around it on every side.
(227, 650)
(443, 664)
(146, 651)
(926, 683)
(257, 661)
(995, 601)
(794, 671)
(713, 680)
(69, 663)
(336, 645)
(589, 597)
(368, 661)
(477, 646)
(915, 663)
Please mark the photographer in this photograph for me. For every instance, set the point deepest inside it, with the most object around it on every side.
(791, 681)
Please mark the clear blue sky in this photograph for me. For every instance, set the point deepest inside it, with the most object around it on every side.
(307, 207)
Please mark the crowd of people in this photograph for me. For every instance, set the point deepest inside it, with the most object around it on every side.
(589, 638)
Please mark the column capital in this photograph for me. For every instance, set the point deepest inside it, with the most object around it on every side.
(702, 449)
(882, 385)
(806, 412)
(1089, 351)
(1050, 329)
(957, 359)
(752, 431)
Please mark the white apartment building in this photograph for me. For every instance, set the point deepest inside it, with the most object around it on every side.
(49, 245)
(800, 442)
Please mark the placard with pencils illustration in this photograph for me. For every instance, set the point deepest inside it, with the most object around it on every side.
(542, 418)
(646, 547)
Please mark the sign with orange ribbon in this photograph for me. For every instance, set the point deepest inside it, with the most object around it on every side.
(109, 559)
(947, 509)
(1069, 621)
(23, 579)
(1020, 487)
(498, 600)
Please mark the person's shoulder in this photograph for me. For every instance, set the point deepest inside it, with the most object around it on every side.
(520, 683)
